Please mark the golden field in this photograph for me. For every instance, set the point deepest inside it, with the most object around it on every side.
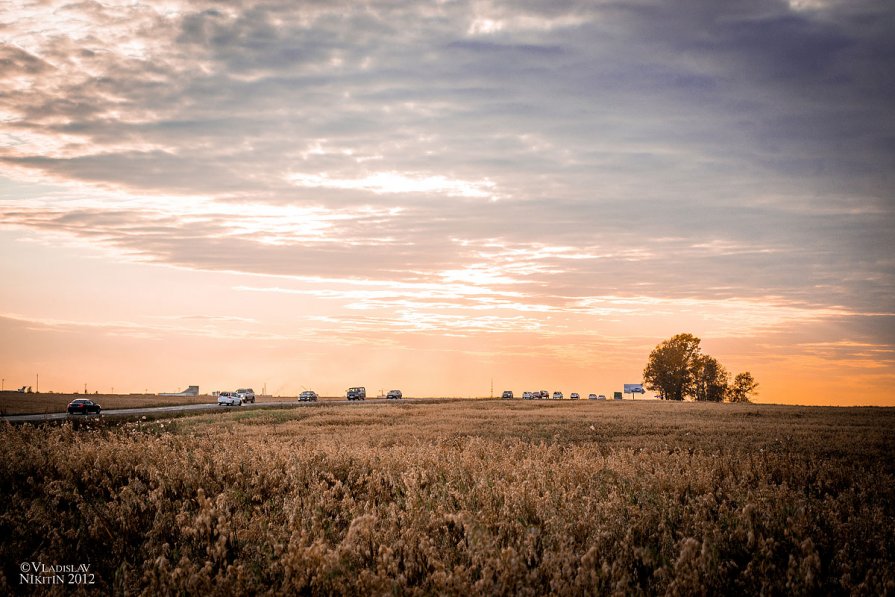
(15, 403)
(467, 497)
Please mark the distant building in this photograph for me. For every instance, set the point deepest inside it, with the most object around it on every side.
(190, 391)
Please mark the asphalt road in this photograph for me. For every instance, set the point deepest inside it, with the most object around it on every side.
(162, 410)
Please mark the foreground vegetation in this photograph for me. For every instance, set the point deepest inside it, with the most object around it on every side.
(459, 498)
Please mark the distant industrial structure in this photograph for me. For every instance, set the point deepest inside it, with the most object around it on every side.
(190, 391)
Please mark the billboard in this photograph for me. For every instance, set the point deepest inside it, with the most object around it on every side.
(634, 388)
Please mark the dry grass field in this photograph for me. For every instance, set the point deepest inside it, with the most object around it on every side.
(15, 403)
(528, 498)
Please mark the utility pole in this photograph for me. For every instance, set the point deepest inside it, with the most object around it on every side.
(37, 383)
(492, 387)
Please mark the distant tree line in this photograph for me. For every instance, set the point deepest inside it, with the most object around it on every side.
(677, 368)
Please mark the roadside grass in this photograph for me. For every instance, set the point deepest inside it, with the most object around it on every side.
(15, 403)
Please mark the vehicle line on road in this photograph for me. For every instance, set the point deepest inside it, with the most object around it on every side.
(156, 410)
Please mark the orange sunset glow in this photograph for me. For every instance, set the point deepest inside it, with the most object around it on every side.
(444, 197)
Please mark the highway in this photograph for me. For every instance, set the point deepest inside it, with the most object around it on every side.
(197, 408)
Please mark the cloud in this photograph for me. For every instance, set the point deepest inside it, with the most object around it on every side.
(696, 151)
(396, 183)
(195, 326)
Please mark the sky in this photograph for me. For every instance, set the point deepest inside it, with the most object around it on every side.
(446, 196)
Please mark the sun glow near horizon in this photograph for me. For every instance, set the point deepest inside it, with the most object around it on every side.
(285, 329)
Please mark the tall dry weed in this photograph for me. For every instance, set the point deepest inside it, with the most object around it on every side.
(461, 499)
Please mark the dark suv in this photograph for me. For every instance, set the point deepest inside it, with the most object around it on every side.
(357, 393)
(507, 395)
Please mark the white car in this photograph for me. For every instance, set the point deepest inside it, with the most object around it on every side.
(246, 395)
(591, 396)
(527, 396)
(574, 396)
(229, 399)
(557, 395)
(308, 396)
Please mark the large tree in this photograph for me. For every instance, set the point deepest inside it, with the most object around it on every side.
(670, 367)
(743, 385)
(710, 379)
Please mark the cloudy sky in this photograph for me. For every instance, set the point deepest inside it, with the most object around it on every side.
(432, 195)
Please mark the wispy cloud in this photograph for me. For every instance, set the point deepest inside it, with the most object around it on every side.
(195, 326)
(394, 182)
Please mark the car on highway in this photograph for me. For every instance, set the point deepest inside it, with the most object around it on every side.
(527, 396)
(229, 399)
(544, 395)
(358, 393)
(574, 396)
(394, 395)
(507, 395)
(246, 395)
(602, 397)
(308, 396)
(591, 396)
(557, 395)
(82, 406)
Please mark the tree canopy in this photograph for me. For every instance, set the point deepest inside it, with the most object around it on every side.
(710, 379)
(743, 385)
(670, 367)
(677, 368)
